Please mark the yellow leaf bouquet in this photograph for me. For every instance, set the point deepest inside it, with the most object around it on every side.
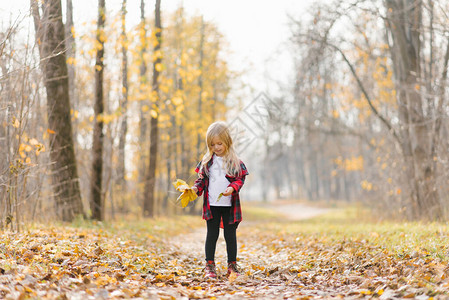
(188, 194)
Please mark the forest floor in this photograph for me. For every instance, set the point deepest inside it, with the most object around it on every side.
(318, 253)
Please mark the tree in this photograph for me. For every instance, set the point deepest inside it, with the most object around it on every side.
(50, 38)
(71, 53)
(150, 182)
(405, 24)
(143, 81)
(123, 104)
(394, 82)
(96, 201)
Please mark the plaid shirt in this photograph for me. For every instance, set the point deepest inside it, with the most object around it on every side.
(236, 182)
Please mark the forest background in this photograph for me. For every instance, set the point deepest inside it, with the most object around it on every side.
(99, 118)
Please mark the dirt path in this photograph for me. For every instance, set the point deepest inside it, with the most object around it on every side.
(297, 211)
(267, 271)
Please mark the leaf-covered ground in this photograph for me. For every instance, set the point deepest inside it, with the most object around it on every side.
(331, 256)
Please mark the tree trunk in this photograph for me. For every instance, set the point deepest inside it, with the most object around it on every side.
(143, 82)
(150, 182)
(71, 53)
(193, 208)
(50, 37)
(96, 204)
(405, 20)
(123, 107)
(200, 85)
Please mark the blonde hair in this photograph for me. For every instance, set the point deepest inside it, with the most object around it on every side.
(230, 159)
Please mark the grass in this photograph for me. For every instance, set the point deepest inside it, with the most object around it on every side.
(137, 229)
(353, 224)
(340, 224)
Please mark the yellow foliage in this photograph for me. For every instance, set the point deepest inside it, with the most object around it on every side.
(335, 113)
(71, 61)
(366, 185)
(164, 88)
(33, 142)
(188, 194)
(350, 164)
(15, 122)
(153, 114)
(177, 101)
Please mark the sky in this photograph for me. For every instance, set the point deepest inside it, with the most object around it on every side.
(256, 30)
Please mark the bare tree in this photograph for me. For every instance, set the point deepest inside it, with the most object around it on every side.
(148, 208)
(412, 117)
(123, 105)
(143, 81)
(96, 201)
(405, 26)
(71, 53)
(50, 37)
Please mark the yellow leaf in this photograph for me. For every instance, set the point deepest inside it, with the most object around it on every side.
(158, 67)
(153, 114)
(365, 292)
(177, 101)
(71, 61)
(15, 122)
(180, 185)
(51, 131)
(232, 277)
(335, 114)
(145, 108)
(219, 196)
(366, 185)
(188, 194)
(33, 142)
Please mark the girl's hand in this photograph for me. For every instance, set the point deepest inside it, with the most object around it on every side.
(228, 191)
(195, 189)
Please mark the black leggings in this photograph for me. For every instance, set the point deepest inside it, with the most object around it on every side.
(213, 230)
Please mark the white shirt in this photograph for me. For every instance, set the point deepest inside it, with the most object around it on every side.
(218, 183)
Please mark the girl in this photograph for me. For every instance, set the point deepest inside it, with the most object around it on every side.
(221, 175)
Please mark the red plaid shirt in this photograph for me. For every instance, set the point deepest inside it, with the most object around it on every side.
(236, 182)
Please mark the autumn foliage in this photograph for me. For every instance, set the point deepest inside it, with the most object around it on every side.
(335, 255)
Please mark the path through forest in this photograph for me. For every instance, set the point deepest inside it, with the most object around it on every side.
(267, 272)
(281, 259)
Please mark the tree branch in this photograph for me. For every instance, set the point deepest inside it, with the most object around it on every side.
(439, 111)
(365, 93)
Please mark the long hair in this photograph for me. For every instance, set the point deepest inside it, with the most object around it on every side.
(230, 159)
